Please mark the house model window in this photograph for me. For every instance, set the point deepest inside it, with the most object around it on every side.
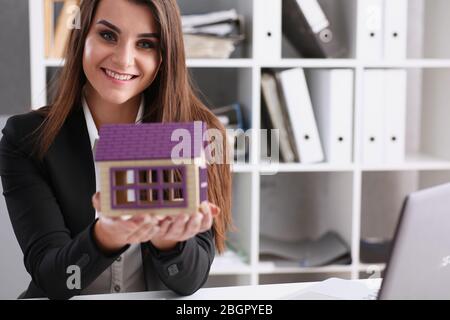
(142, 171)
(144, 187)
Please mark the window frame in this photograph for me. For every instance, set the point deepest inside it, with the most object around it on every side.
(159, 186)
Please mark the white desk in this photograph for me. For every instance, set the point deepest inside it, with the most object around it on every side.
(261, 292)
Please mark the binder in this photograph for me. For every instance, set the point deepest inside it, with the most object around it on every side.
(267, 15)
(395, 28)
(373, 117)
(309, 30)
(332, 97)
(395, 116)
(297, 100)
(278, 115)
(370, 44)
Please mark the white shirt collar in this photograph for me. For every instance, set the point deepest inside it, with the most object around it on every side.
(92, 129)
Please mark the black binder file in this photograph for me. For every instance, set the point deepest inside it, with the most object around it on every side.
(311, 33)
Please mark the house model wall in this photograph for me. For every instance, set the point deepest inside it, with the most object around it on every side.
(140, 172)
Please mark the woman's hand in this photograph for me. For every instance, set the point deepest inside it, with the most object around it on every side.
(164, 232)
(182, 227)
(112, 234)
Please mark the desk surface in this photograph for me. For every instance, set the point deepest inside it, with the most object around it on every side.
(260, 292)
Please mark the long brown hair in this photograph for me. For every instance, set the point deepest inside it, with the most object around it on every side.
(170, 98)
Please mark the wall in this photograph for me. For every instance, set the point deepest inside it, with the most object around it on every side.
(14, 57)
(14, 98)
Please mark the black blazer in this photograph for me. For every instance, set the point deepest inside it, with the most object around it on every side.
(50, 208)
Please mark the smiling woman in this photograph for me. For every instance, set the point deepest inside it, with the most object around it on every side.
(121, 55)
(125, 64)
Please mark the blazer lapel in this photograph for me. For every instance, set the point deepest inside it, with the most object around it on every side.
(82, 159)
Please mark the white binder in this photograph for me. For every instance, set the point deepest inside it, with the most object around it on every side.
(395, 116)
(370, 44)
(267, 15)
(301, 115)
(277, 115)
(395, 28)
(373, 117)
(332, 97)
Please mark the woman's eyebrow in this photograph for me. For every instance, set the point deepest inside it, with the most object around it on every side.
(117, 29)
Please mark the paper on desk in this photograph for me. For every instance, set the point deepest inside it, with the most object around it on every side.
(335, 288)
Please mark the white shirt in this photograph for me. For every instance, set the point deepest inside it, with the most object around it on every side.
(126, 274)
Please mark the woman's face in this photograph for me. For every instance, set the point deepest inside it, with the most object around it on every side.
(121, 55)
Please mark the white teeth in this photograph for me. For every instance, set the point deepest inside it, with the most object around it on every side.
(118, 76)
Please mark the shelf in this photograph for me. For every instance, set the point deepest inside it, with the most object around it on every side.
(230, 270)
(298, 167)
(54, 63)
(414, 162)
(269, 267)
(220, 63)
(371, 266)
(310, 63)
(409, 63)
(242, 168)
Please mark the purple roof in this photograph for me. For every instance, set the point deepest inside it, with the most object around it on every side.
(146, 141)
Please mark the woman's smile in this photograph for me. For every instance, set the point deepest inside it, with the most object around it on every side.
(118, 78)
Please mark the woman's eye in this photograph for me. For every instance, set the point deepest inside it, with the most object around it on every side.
(108, 36)
(146, 45)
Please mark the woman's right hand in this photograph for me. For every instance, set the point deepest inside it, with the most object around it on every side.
(113, 233)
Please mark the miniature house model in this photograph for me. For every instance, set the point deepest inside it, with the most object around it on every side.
(140, 172)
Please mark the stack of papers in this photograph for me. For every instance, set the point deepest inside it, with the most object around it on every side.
(212, 35)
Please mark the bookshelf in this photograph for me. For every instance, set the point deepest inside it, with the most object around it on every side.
(355, 199)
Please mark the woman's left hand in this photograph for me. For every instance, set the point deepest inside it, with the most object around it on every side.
(183, 227)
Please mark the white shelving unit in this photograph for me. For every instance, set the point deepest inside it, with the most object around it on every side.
(356, 191)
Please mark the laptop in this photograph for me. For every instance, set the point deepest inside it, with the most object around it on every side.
(419, 262)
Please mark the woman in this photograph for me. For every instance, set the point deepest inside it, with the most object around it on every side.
(125, 64)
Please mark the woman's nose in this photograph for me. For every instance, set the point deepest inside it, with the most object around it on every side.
(124, 55)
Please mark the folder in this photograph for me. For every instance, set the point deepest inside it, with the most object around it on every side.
(332, 97)
(395, 116)
(395, 28)
(370, 44)
(267, 15)
(278, 115)
(373, 117)
(307, 27)
(297, 100)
